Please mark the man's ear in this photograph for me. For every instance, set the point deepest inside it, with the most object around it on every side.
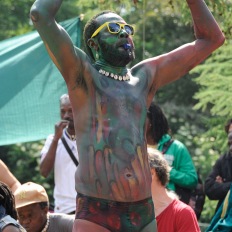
(92, 44)
(94, 48)
(153, 173)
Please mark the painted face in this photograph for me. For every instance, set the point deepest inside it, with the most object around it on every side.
(66, 112)
(116, 49)
(32, 217)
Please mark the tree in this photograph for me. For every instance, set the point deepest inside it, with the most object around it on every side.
(213, 101)
(215, 92)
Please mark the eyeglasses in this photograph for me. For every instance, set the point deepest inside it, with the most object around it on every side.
(115, 28)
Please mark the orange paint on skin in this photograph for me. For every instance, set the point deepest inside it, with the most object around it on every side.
(126, 186)
(99, 188)
(108, 167)
(119, 185)
(116, 192)
(121, 189)
(140, 155)
(133, 183)
(138, 169)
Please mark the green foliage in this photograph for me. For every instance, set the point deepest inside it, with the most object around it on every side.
(14, 18)
(23, 161)
(213, 99)
(220, 8)
(104, 4)
(208, 210)
(215, 76)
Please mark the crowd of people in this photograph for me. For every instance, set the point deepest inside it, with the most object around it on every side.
(25, 207)
(106, 180)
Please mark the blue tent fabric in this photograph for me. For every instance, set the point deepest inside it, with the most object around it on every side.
(30, 86)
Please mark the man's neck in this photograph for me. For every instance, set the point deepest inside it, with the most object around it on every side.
(109, 68)
(70, 133)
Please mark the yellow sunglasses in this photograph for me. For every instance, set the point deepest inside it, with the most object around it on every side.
(115, 28)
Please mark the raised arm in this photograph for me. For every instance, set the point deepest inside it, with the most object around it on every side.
(171, 66)
(8, 178)
(57, 41)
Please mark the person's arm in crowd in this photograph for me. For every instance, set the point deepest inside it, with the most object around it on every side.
(8, 178)
(11, 228)
(215, 187)
(48, 157)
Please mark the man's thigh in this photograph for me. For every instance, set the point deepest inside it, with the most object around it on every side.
(151, 227)
(87, 226)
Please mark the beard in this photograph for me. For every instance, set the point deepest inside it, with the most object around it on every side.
(117, 56)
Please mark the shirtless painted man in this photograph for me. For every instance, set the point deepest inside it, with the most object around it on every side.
(110, 102)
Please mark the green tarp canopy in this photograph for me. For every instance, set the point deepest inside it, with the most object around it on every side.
(30, 87)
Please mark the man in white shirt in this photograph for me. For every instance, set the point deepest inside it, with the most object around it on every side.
(55, 155)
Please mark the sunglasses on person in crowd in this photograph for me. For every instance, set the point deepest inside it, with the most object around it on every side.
(115, 28)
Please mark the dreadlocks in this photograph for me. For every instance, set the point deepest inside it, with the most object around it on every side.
(7, 200)
(159, 122)
(89, 29)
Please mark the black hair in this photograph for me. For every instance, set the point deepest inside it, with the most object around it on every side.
(159, 122)
(7, 200)
(227, 126)
(89, 29)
